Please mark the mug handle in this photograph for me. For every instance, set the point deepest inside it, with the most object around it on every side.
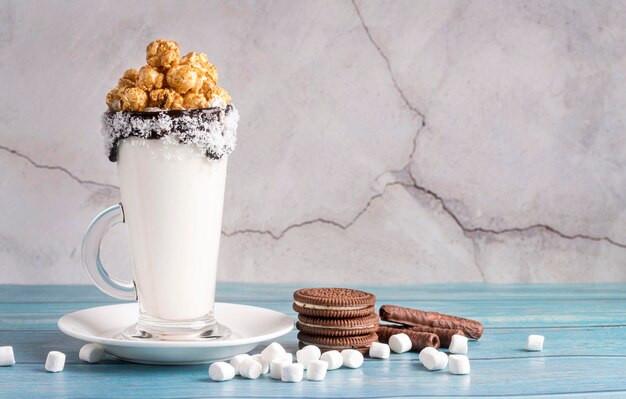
(120, 289)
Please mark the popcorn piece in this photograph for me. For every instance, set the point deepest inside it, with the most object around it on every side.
(129, 78)
(379, 350)
(292, 372)
(197, 60)
(7, 358)
(183, 78)
(221, 371)
(133, 99)
(352, 358)
(265, 365)
(316, 370)
(221, 92)
(195, 101)
(250, 368)
(237, 360)
(217, 102)
(114, 99)
(400, 343)
(149, 78)
(459, 364)
(307, 354)
(276, 367)
(55, 362)
(333, 358)
(458, 344)
(534, 343)
(273, 351)
(165, 99)
(91, 353)
(162, 53)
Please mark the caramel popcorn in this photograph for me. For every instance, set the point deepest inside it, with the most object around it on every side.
(182, 78)
(221, 92)
(195, 100)
(166, 99)
(162, 53)
(149, 78)
(133, 99)
(168, 83)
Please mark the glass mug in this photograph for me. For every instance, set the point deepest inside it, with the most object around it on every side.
(172, 200)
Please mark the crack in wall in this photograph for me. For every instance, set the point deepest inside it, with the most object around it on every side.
(71, 175)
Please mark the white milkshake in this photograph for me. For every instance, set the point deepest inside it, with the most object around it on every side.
(172, 196)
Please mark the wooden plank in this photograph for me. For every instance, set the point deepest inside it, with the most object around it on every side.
(234, 292)
(376, 379)
(493, 314)
(32, 346)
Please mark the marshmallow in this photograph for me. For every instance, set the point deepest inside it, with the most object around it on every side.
(250, 368)
(433, 359)
(55, 361)
(6, 356)
(276, 368)
(379, 350)
(308, 353)
(458, 344)
(273, 351)
(221, 371)
(316, 370)
(333, 358)
(534, 343)
(289, 356)
(265, 366)
(237, 360)
(91, 353)
(459, 364)
(352, 358)
(292, 372)
(400, 343)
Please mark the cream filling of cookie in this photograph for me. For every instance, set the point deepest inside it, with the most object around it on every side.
(309, 306)
(336, 327)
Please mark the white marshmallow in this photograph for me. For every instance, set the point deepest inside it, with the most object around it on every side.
(400, 343)
(7, 358)
(433, 359)
(289, 356)
(265, 366)
(333, 358)
(91, 353)
(308, 353)
(273, 351)
(426, 352)
(292, 372)
(221, 371)
(55, 361)
(250, 369)
(317, 370)
(459, 364)
(458, 344)
(534, 343)
(276, 368)
(380, 351)
(352, 358)
(237, 360)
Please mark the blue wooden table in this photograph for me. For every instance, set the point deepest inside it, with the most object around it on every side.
(584, 353)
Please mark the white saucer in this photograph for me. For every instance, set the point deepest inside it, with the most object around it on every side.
(250, 326)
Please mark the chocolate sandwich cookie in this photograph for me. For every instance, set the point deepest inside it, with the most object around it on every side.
(333, 302)
(359, 342)
(337, 327)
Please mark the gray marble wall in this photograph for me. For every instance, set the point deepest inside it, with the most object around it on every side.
(380, 142)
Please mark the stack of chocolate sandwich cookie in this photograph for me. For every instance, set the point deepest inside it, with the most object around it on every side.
(425, 328)
(336, 318)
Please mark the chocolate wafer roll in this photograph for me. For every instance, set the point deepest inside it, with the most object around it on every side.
(420, 318)
(420, 340)
(445, 335)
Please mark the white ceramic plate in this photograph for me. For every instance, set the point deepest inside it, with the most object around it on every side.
(250, 326)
